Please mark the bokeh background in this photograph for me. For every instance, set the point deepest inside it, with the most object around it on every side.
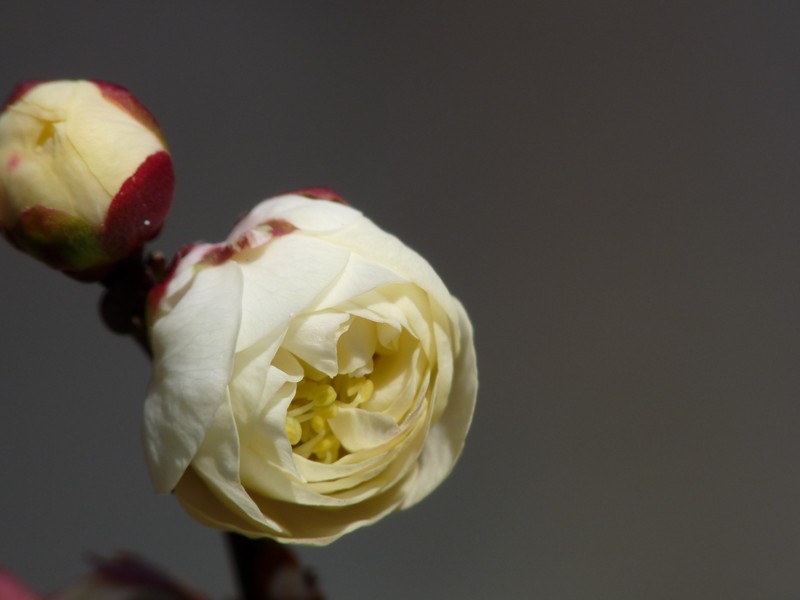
(611, 188)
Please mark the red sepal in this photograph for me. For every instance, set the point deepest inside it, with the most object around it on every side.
(139, 209)
(321, 193)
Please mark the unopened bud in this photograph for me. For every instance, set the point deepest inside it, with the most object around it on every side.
(85, 176)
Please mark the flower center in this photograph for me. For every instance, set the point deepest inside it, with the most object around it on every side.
(316, 401)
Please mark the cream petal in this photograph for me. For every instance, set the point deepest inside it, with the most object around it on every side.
(270, 481)
(193, 356)
(312, 338)
(267, 460)
(204, 506)
(402, 305)
(255, 379)
(444, 365)
(346, 228)
(54, 169)
(98, 128)
(347, 466)
(416, 307)
(286, 279)
(361, 429)
(400, 457)
(379, 467)
(183, 277)
(48, 100)
(302, 212)
(344, 484)
(359, 277)
(217, 464)
(365, 239)
(266, 452)
(446, 437)
(396, 382)
(309, 525)
(416, 387)
(356, 347)
(388, 329)
(388, 334)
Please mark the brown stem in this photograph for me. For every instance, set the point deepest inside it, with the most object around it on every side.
(269, 570)
(124, 303)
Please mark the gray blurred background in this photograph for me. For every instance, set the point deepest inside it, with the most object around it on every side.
(610, 187)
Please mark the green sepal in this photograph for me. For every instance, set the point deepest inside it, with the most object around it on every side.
(64, 242)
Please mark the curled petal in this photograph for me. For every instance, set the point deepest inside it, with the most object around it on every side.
(191, 370)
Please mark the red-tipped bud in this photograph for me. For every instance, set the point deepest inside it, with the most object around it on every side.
(85, 175)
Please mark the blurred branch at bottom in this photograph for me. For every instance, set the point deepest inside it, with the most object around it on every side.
(269, 570)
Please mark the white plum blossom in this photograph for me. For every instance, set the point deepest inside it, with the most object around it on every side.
(311, 375)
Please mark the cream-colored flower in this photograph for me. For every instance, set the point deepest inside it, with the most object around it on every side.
(311, 375)
(85, 178)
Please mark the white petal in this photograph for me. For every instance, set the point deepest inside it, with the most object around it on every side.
(53, 170)
(356, 347)
(359, 277)
(447, 346)
(204, 506)
(284, 281)
(397, 378)
(184, 275)
(313, 339)
(446, 438)
(193, 356)
(255, 379)
(267, 461)
(415, 306)
(98, 128)
(217, 464)
(310, 525)
(360, 429)
(359, 484)
(398, 459)
(302, 212)
(347, 466)
(367, 240)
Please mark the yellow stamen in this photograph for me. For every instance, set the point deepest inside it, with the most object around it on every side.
(354, 386)
(306, 448)
(325, 396)
(308, 433)
(329, 411)
(293, 430)
(318, 399)
(365, 392)
(302, 409)
(318, 423)
(325, 445)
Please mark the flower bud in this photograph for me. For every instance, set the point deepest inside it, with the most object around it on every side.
(85, 176)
